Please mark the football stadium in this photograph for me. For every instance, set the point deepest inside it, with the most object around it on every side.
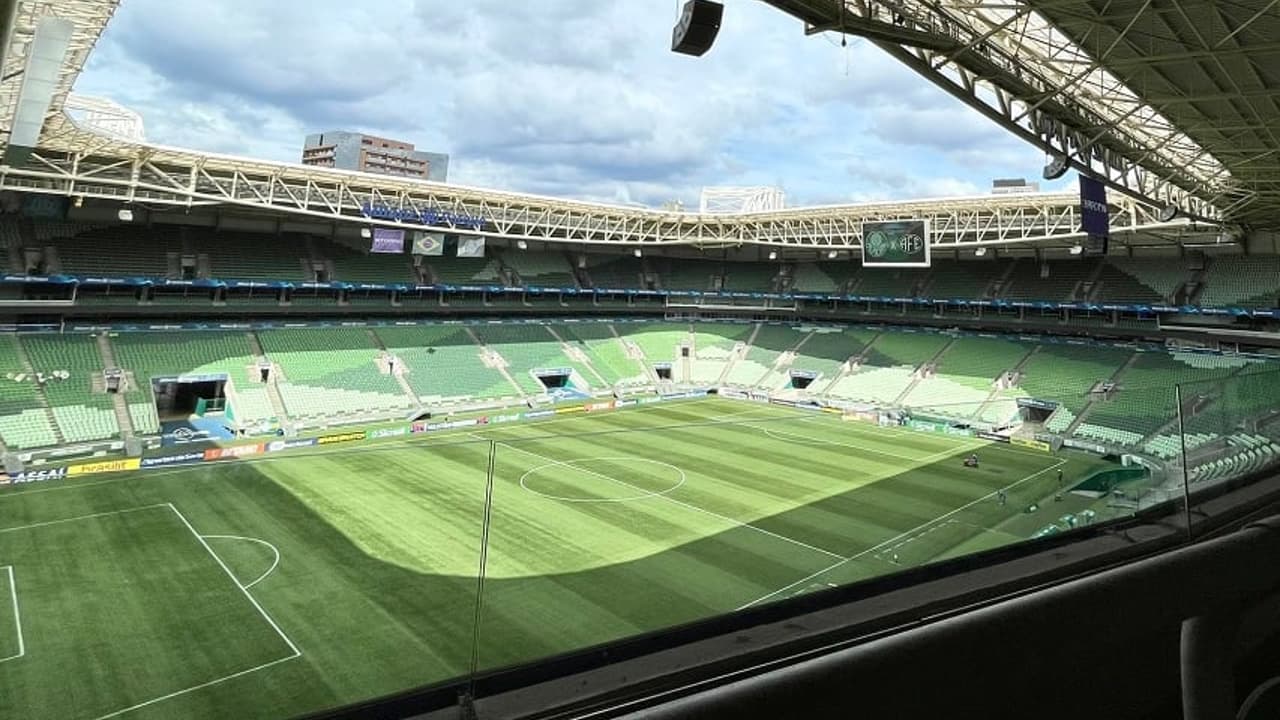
(283, 438)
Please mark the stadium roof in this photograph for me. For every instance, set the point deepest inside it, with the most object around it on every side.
(71, 160)
(1173, 101)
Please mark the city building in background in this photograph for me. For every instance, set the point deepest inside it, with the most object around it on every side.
(1013, 186)
(368, 153)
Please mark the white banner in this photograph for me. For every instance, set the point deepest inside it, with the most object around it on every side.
(470, 246)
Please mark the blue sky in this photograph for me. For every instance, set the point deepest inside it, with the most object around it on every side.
(559, 97)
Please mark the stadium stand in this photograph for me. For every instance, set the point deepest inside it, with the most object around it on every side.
(151, 355)
(1054, 281)
(1239, 280)
(1066, 373)
(353, 265)
(965, 279)
(334, 372)
(608, 355)
(888, 367)
(965, 376)
(713, 346)
(811, 277)
(113, 250)
(760, 277)
(757, 367)
(24, 422)
(1163, 276)
(443, 362)
(614, 271)
(80, 413)
(543, 269)
(460, 271)
(246, 256)
(889, 282)
(527, 348)
(688, 273)
(658, 341)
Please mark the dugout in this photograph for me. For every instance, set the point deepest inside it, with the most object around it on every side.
(180, 397)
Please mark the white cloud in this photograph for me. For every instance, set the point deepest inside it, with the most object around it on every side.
(557, 97)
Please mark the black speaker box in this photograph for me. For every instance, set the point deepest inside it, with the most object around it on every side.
(699, 24)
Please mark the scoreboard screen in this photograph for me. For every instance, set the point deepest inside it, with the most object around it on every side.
(895, 243)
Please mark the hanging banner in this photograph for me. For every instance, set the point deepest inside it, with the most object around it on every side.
(425, 243)
(387, 240)
(470, 246)
(1094, 211)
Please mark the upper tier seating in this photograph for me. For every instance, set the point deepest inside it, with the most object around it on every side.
(687, 273)
(353, 265)
(247, 256)
(1158, 277)
(811, 277)
(465, 271)
(543, 269)
(1054, 281)
(964, 280)
(1248, 281)
(614, 271)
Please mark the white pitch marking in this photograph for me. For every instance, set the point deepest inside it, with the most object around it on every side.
(81, 517)
(695, 508)
(231, 575)
(193, 688)
(273, 548)
(899, 536)
(17, 616)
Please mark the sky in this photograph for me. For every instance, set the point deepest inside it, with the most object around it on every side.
(570, 98)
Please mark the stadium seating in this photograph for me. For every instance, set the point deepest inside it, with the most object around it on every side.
(246, 256)
(527, 348)
(352, 265)
(759, 277)
(114, 251)
(1066, 373)
(757, 367)
(712, 347)
(23, 421)
(1054, 281)
(608, 354)
(1236, 280)
(687, 273)
(545, 269)
(964, 279)
(332, 372)
(1162, 276)
(888, 282)
(614, 271)
(658, 341)
(150, 355)
(442, 362)
(80, 414)
(826, 350)
(810, 277)
(463, 271)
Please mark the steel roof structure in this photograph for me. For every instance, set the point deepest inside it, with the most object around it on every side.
(1174, 101)
(75, 161)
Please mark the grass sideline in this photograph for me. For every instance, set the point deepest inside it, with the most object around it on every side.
(299, 581)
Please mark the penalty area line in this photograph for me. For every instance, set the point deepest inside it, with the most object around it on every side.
(17, 616)
(900, 536)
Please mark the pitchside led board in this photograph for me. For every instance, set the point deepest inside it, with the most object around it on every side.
(895, 243)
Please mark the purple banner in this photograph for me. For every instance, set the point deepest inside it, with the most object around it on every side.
(387, 240)
(1094, 212)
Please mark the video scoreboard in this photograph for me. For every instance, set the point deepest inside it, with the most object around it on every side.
(895, 243)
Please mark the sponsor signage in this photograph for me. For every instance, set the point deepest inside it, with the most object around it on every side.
(168, 460)
(30, 476)
(597, 407)
(624, 403)
(105, 466)
(538, 414)
(426, 216)
(1082, 445)
(185, 435)
(388, 433)
(1040, 445)
(236, 451)
(504, 418)
(278, 445)
(570, 410)
(993, 437)
(341, 438)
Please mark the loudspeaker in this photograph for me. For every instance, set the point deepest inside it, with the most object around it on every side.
(699, 24)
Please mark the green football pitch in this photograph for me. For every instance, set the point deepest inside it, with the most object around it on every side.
(315, 578)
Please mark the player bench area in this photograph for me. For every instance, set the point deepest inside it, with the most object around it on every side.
(134, 609)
